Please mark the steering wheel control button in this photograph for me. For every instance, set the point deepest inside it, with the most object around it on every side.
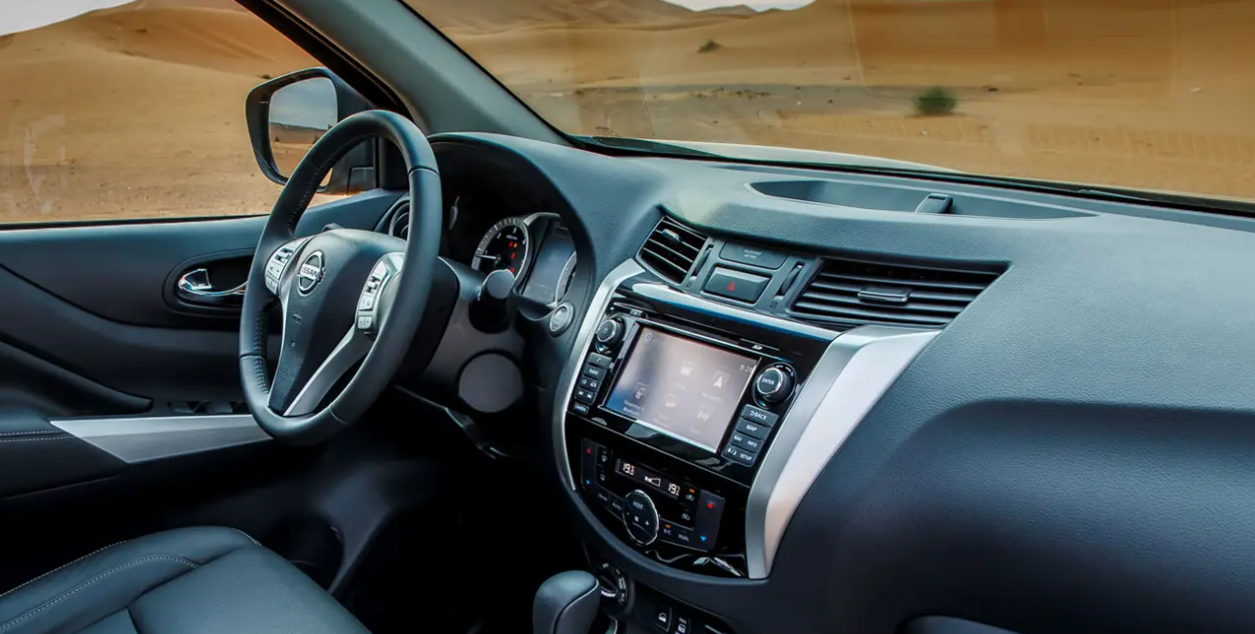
(560, 319)
(774, 384)
(367, 301)
(753, 256)
(609, 333)
(641, 517)
(758, 415)
(739, 455)
(745, 287)
(599, 360)
(365, 322)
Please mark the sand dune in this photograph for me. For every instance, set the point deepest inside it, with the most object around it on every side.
(137, 111)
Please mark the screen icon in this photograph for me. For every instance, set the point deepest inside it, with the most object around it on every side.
(654, 480)
(671, 401)
(639, 393)
(703, 414)
(720, 379)
(687, 368)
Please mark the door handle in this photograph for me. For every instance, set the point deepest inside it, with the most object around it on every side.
(195, 287)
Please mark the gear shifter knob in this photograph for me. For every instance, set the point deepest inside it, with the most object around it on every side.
(566, 603)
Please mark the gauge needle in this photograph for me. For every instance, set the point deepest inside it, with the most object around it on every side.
(490, 258)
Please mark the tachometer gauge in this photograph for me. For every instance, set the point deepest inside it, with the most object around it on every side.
(507, 245)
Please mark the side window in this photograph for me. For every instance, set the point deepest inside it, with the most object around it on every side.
(132, 111)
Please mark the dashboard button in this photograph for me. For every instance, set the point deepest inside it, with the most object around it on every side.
(580, 408)
(740, 456)
(662, 617)
(747, 442)
(750, 428)
(599, 360)
(609, 332)
(775, 384)
(594, 372)
(589, 383)
(584, 396)
(753, 256)
(682, 625)
(641, 517)
(745, 287)
(709, 516)
(759, 415)
(616, 506)
(560, 318)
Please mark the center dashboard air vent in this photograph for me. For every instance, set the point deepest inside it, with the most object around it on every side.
(671, 250)
(853, 293)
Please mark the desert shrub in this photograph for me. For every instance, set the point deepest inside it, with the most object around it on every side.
(935, 101)
(709, 47)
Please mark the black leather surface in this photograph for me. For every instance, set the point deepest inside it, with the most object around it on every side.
(35, 455)
(567, 603)
(188, 580)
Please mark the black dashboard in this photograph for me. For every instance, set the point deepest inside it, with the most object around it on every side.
(982, 405)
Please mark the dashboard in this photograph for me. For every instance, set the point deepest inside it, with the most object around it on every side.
(797, 400)
(536, 248)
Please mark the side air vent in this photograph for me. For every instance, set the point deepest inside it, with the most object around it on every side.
(671, 249)
(854, 293)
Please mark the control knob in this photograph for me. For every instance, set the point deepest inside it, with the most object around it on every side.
(774, 384)
(641, 517)
(609, 332)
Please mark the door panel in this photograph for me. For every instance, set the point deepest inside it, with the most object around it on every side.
(93, 299)
(126, 272)
(103, 366)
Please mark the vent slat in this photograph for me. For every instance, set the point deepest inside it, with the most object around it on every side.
(890, 281)
(912, 305)
(853, 289)
(871, 315)
(671, 250)
(933, 297)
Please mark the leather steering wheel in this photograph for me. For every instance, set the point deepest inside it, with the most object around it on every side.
(344, 295)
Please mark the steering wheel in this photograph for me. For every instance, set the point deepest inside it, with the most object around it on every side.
(347, 296)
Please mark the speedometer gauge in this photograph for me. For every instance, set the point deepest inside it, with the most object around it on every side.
(506, 246)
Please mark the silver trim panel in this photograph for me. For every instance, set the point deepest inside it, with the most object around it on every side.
(571, 373)
(135, 440)
(855, 371)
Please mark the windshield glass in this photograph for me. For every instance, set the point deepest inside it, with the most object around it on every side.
(1145, 94)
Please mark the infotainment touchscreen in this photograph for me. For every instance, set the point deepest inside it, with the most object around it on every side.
(682, 388)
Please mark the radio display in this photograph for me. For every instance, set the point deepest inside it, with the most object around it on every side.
(682, 388)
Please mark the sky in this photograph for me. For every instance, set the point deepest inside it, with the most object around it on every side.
(23, 15)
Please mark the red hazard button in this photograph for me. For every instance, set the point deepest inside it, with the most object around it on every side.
(738, 285)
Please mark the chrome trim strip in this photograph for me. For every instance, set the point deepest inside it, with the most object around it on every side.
(571, 373)
(668, 295)
(854, 372)
(139, 439)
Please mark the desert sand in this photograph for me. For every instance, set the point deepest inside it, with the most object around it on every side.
(138, 111)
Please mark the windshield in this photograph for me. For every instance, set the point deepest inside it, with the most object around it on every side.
(1144, 94)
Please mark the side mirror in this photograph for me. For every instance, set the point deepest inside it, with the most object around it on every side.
(288, 114)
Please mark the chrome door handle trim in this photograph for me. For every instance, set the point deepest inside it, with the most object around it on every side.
(196, 283)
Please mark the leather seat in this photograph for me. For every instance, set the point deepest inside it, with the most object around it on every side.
(202, 580)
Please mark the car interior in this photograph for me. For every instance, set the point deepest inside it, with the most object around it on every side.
(473, 375)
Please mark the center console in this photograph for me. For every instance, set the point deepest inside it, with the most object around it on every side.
(672, 411)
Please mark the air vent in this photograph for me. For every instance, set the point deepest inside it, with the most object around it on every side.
(857, 293)
(671, 250)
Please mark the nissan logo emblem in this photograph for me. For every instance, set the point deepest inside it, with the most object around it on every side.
(310, 273)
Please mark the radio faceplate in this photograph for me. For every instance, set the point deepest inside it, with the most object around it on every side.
(670, 416)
